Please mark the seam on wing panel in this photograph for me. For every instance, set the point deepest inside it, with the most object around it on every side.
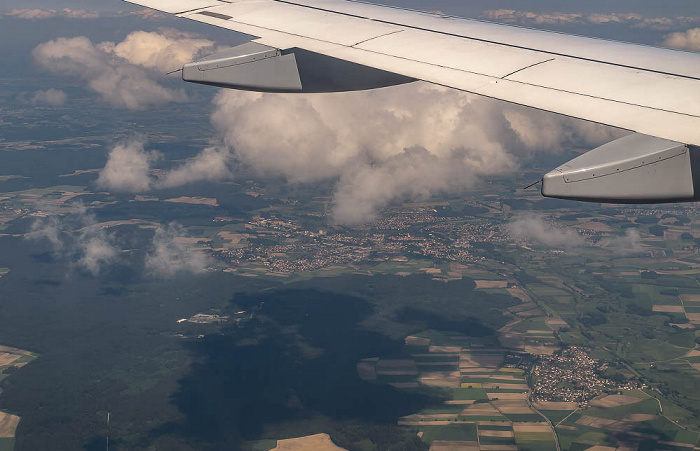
(526, 67)
(196, 9)
(376, 37)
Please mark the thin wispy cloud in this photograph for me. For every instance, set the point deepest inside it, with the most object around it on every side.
(630, 243)
(39, 14)
(543, 231)
(77, 237)
(633, 20)
(68, 13)
(86, 245)
(50, 97)
(169, 257)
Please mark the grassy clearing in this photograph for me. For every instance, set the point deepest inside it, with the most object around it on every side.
(531, 324)
(469, 393)
(7, 444)
(260, 445)
(24, 359)
(452, 432)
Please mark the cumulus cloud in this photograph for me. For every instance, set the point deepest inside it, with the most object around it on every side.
(164, 51)
(126, 74)
(211, 164)
(362, 138)
(170, 257)
(633, 20)
(50, 97)
(542, 231)
(128, 168)
(26, 13)
(77, 236)
(685, 40)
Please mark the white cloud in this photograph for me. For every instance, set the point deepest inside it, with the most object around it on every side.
(32, 14)
(149, 14)
(633, 20)
(95, 251)
(26, 13)
(685, 40)
(211, 164)
(127, 168)
(628, 244)
(77, 236)
(49, 229)
(126, 74)
(540, 230)
(129, 164)
(170, 257)
(79, 14)
(413, 174)
(361, 139)
(50, 97)
(164, 51)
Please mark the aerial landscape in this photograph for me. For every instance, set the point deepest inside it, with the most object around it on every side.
(360, 271)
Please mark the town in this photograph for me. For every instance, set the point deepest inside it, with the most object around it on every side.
(416, 233)
(572, 376)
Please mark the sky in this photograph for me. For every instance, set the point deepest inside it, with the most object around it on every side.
(404, 143)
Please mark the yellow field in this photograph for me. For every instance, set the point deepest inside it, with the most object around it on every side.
(669, 308)
(318, 442)
(194, 200)
(7, 359)
(8, 425)
(491, 284)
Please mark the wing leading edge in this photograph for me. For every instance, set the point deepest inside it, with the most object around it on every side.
(325, 45)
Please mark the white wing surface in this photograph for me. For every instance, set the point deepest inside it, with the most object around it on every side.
(648, 90)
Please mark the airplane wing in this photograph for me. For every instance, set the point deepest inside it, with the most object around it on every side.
(340, 45)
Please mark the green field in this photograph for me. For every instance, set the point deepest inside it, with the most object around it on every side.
(452, 432)
(7, 444)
